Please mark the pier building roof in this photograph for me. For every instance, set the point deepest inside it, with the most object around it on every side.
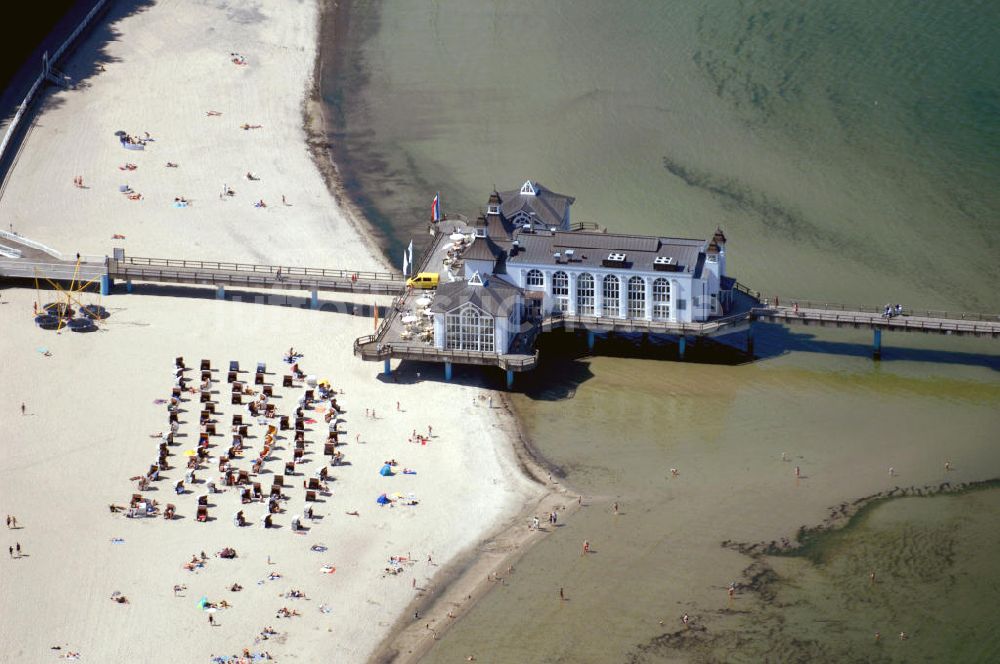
(547, 206)
(641, 253)
(491, 294)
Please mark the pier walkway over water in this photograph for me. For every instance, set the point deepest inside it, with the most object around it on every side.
(22, 258)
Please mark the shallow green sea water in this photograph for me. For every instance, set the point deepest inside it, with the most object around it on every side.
(850, 152)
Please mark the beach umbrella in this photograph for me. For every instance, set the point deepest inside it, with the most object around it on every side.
(95, 311)
(82, 325)
(382, 500)
(386, 471)
(456, 237)
(58, 309)
(120, 133)
(190, 453)
(123, 188)
(47, 321)
(423, 301)
(203, 602)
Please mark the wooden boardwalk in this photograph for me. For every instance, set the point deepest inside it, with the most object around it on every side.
(930, 322)
(252, 276)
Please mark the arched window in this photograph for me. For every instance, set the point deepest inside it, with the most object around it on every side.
(636, 297)
(467, 329)
(535, 278)
(661, 299)
(585, 295)
(560, 290)
(612, 297)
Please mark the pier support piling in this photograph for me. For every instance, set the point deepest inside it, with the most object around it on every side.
(591, 338)
(750, 340)
(314, 300)
(388, 367)
(220, 293)
(447, 371)
(510, 379)
(681, 347)
(877, 345)
(128, 285)
(107, 283)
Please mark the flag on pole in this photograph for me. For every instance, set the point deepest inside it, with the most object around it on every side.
(410, 249)
(436, 208)
(376, 317)
(406, 264)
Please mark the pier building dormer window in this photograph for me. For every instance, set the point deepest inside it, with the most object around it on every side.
(585, 295)
(529, 189)
(468, 328)
(661, 299)
(612, 297)
(636, 297)
(535, 278)
(560, 290)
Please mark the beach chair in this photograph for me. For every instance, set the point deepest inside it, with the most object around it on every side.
(176, 393)
(231, 377)
(300, 436)
(210, 407)
(244, 477)
(179, 362)
(237, 398)
(256, 490)
(323, 473)
(256, 466)
(300, 444)
(202, 513)
(237, 420)
(234, 366)
(206, 365)
(238, 387)
(310, 396)
(258, 379)
(223, 460)
(275, 490)
(261, 368)
(279, 480)
(206, 375)
(203, 501)
(203, 438)
(298, 453)
(204, 416)
(245, 496)
(289, 468)
(283, 422)
(268, 390)
(269, 410)
(205, 397)
(329, 449)
(168, 513)
(310, 496)
(243, 430)
(286, 381)
(210, 429)
(314, 484)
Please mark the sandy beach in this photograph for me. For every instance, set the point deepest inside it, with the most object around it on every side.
(91, 404)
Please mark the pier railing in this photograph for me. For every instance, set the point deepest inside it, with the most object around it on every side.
(915, 322)
(272, 270)
(368, 348)
(922, 313)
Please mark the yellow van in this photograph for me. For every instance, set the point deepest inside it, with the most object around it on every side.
(423, 280)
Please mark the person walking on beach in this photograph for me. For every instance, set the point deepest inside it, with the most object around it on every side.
(18, 548)
(23, 408)
(615, 508)
(562, 595)
(8, 520)
(871, 577)
(211, 620)
(11, 550)
(798, 472)
(892, 471)
(430, 431)
(586, 547)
